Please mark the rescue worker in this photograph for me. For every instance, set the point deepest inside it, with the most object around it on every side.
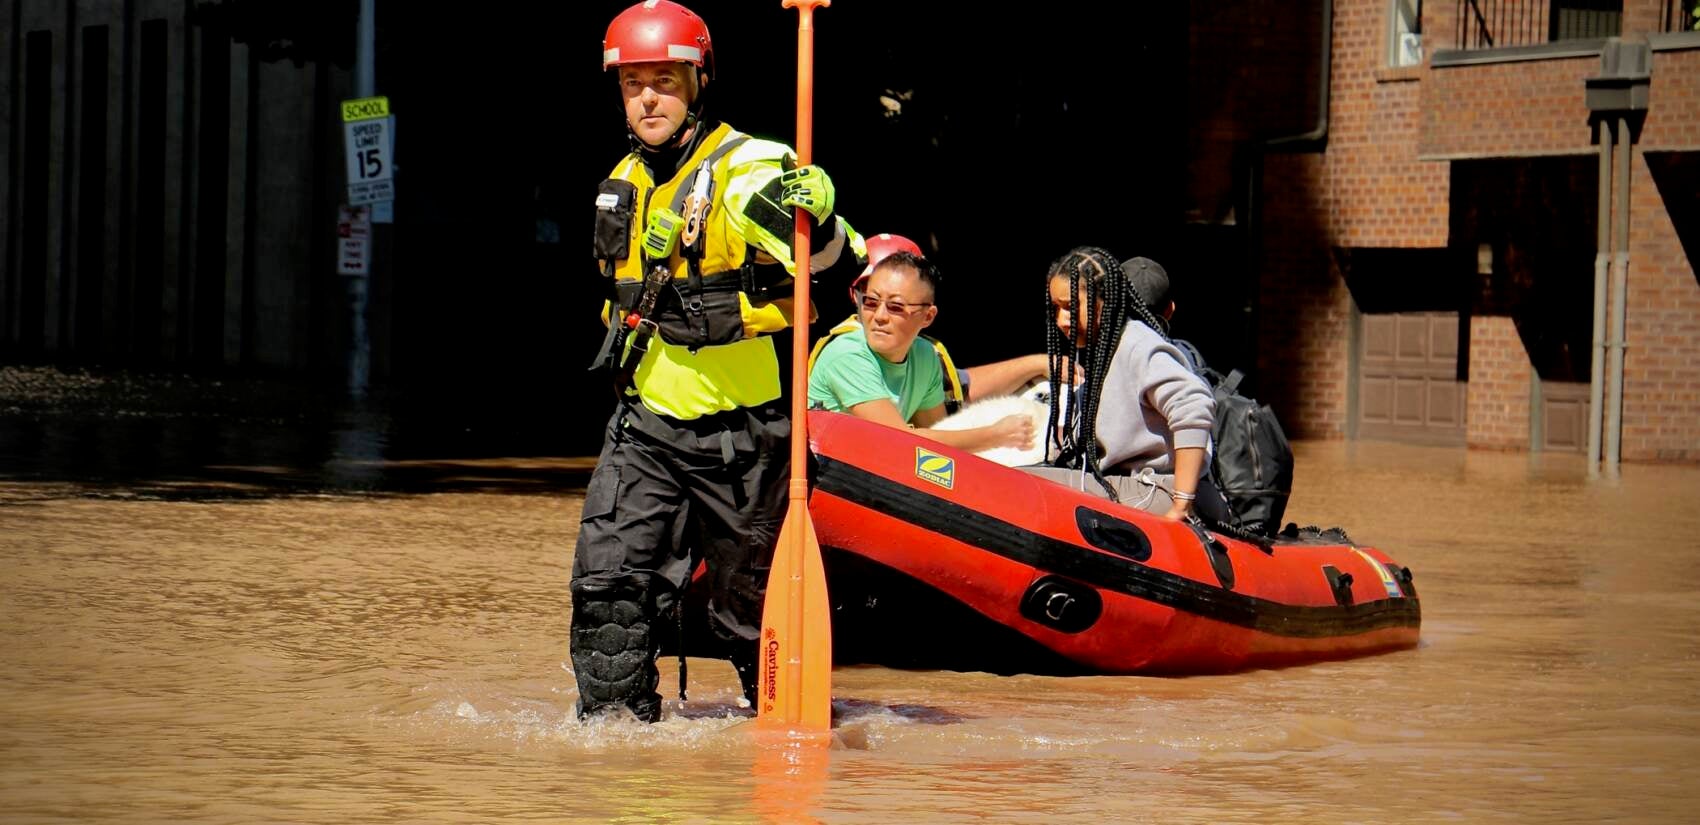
(693, 236)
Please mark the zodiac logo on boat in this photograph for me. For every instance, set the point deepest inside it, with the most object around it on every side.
(938, 469)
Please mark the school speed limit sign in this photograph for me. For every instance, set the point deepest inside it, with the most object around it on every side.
(368, 131)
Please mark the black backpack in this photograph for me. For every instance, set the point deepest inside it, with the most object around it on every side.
(1253, 466)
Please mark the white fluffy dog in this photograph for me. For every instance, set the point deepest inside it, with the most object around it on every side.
(1033, 401)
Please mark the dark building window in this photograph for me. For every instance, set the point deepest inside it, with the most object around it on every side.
(1488, 24)
(1680, 16)
(1585, 19)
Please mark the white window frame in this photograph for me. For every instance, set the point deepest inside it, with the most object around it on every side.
(1404, 33)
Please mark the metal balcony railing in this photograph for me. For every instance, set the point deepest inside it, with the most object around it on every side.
(1488, 24)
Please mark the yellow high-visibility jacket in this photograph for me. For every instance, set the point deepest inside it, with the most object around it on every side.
(712, 352)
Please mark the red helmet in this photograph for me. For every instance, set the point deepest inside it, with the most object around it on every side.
(880, 246)
(658, 31)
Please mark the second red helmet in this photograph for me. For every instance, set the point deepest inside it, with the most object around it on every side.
(878, 247)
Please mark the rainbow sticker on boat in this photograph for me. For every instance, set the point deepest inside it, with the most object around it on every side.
(1386, 576)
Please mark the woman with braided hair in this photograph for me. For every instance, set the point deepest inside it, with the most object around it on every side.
(1140, 423)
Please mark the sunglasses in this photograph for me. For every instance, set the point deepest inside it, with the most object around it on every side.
(896, 308)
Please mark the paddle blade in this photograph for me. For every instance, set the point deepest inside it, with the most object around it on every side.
(795, 688)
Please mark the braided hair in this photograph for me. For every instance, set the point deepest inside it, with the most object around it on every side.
(1110, 300)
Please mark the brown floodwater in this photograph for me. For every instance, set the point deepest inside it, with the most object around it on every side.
(185, 651)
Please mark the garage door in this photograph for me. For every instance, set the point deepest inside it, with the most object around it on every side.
(1408, 387)
(1563, 421)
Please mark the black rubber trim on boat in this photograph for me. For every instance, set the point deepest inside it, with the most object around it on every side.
(1068, 606)
(1406, 581)
(1106, 532)
(1104, 570)
(1340, 583)
(877, 613)
(1220, 561)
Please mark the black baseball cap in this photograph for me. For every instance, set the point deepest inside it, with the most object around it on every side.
(1150, 281)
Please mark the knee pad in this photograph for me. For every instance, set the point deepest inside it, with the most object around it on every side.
(614, 647)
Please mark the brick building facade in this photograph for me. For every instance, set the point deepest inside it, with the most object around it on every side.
(1436, 230)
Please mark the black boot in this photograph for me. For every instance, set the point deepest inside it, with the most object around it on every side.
(613, 647)
(745, 661)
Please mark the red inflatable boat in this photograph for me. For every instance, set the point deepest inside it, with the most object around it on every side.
(936, 558)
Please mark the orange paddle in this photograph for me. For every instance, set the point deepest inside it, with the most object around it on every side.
(795, 690)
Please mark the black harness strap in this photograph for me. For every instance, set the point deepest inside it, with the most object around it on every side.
(638, 326)
(692, 252)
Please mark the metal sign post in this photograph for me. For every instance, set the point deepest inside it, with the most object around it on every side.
(368, 136)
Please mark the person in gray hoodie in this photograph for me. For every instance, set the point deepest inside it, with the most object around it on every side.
(1140, 424)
